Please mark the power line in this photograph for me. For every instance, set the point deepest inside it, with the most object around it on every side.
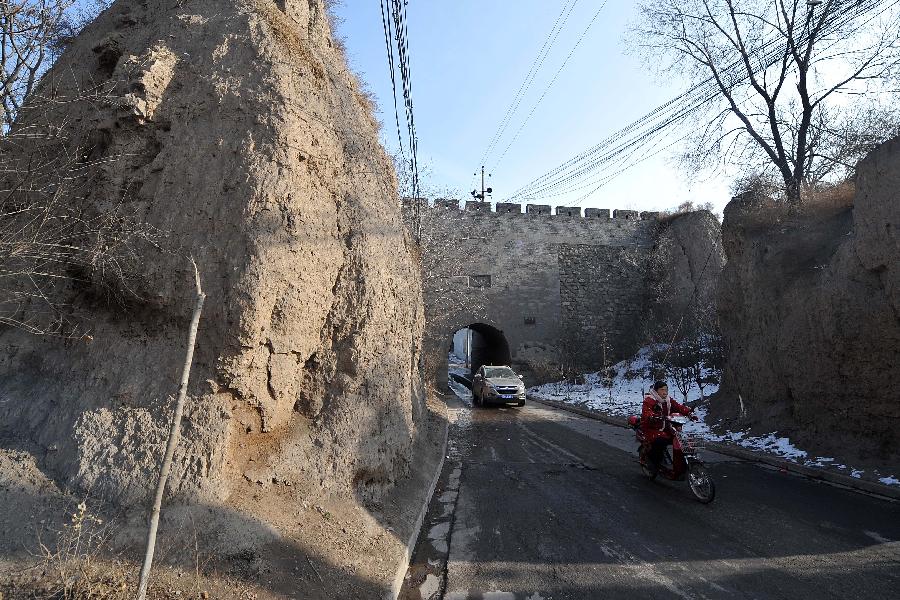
(550, 85)
(396, 30)
(649, 126)
(386, 23)
(562, 174)
(536, 65)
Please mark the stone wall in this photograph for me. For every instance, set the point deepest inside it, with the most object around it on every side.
(603, 296)
(552, 283)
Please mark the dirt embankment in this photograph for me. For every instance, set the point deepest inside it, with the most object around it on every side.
(235, 130)
(686, 265)
(810, 309)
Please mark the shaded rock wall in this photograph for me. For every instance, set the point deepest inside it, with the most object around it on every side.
(809, 309)
(235, 129)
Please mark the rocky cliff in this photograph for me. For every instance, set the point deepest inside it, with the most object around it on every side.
(810, 311)
(685, 268)
(234, 130)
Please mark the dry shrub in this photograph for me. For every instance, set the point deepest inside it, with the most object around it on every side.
(817, 202)
(825, 198)
(76, 565)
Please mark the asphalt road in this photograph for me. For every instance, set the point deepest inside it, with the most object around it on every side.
(540, 504)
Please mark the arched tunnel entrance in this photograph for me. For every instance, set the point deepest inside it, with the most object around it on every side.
(475, 345)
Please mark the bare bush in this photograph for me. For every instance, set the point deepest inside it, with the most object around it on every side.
(52, 231)
(79, 563)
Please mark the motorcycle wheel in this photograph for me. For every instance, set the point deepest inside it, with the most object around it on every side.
(701, 483)
(648, 472)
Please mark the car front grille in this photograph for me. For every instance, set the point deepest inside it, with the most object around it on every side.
(507, 390)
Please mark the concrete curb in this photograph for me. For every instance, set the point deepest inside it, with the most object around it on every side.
(403, 567)
(859, 485)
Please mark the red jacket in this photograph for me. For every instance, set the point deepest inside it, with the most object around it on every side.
(653, 413)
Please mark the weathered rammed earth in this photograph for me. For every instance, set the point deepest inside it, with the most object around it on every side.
(810, 308)
(235, 128)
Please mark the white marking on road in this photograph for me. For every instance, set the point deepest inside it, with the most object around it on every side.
(877, 537)
(439, 531)
(430, 588)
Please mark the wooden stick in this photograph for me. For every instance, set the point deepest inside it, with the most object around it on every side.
(174, 433)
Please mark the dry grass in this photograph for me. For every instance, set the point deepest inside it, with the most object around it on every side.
(284, 30)
(829, 198)
(75, 565)
(817, 202)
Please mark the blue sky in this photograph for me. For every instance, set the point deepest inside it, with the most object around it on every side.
(468, 59)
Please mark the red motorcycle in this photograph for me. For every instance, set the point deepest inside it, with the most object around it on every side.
(683, 462)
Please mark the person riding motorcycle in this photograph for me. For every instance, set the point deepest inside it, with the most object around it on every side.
(657, 406)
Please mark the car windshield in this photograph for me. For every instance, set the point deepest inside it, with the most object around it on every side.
(504, 372)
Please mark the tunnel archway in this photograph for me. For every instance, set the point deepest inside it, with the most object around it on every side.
(479, 344)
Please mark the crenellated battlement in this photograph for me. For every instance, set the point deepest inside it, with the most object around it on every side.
(515, 209)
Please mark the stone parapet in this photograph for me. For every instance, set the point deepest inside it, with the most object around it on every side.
(509, 208)
(628, 215)
(568, 211)
(447, 203)
(538, 209)
(514, 208)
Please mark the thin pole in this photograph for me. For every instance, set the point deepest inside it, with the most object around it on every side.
(483, 199)
(173, 439)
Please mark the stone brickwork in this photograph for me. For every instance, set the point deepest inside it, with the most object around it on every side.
(552, 283)
(603, 290)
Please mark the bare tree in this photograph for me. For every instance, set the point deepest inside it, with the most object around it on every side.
(778, 74)
(450, 287)
(174, 436)
(34, 33)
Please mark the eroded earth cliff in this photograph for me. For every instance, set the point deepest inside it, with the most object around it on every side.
(234, 130)
(810, 309)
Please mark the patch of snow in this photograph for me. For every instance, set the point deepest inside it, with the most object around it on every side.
(623, 396)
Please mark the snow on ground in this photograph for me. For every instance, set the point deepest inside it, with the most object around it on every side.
(457, 365)
(624, 395)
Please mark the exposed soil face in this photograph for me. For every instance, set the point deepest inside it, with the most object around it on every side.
(809, 308)
(685, 268)
(236, 131)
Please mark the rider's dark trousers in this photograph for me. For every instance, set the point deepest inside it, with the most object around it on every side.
(657, 448)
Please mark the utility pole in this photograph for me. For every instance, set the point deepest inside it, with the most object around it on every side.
(484, 191)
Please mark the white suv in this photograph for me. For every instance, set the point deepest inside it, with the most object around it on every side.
(497, 384)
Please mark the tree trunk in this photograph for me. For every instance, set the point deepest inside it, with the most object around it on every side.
(174, 434)
(792, 188)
